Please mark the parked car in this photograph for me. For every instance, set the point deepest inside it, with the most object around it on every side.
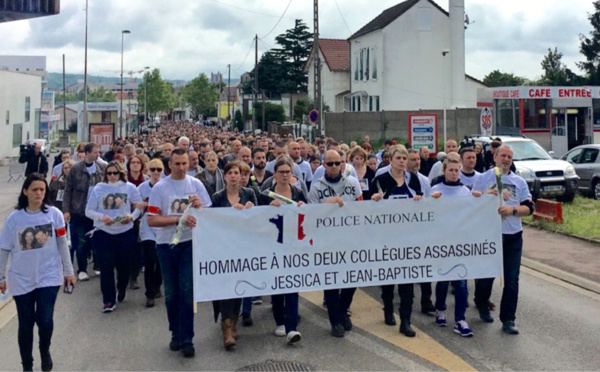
(546, 177)
(586, 162)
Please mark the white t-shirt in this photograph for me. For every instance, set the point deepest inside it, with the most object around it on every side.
(113, 200)
(306, 171)
(447, 190)
(56, 171)
(31, 240)
(166, 199)
(468, 181)
(146, 232)
(514, 191)
(436, 171)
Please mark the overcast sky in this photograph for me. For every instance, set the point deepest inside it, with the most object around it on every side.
(186, 37)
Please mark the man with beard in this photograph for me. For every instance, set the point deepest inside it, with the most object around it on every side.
(295, 154)
(259, 173)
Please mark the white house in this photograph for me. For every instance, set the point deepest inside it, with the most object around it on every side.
(411, 57)
(20, 103)
(335, 73)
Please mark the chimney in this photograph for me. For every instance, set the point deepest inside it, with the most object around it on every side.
(457, 52)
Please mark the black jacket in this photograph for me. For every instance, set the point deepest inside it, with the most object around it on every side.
(35, 163)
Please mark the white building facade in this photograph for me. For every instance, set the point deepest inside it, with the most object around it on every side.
(411, 57)
(20, 103)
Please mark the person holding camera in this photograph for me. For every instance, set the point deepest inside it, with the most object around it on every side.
(35, 159)
(34, 236)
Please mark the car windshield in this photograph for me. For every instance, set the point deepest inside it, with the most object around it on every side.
(527, 150)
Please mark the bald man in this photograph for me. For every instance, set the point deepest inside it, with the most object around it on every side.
(245, 155)
(436, 169)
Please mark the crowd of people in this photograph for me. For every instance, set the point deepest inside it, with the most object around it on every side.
(121, 209)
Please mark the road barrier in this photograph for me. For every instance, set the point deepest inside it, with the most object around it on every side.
(548, 210)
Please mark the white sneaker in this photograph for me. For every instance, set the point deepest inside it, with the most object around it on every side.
(97, 272)
(83, 276)
(280, 331)
(293, 337)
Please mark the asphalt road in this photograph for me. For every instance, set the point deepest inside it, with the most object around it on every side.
(559, 323)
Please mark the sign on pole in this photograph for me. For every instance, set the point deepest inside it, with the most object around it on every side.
(103, 135)
(423, 132)
(313, 116)
(485, 122)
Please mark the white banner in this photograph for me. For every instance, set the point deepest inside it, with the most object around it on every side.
(269, 250)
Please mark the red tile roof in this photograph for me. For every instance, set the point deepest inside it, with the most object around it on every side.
(336, 53)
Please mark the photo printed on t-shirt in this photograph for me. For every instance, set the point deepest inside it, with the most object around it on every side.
(178, 205)
(34, 237)
(114, 201)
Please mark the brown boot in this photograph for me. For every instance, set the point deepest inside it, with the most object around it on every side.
(234, 327)
(227, 328)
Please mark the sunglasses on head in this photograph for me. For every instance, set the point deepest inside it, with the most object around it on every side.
(112, 173)
(332, 163)
(155, 169)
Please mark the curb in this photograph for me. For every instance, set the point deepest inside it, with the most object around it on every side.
(562, 275)
(583, 238)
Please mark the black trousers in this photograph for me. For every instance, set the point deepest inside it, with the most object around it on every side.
(152, 274)
(406, 293)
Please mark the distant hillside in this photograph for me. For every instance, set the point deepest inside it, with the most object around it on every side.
(55, 81)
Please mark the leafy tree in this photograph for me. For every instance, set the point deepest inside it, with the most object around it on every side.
(97, 95)
(273, 112)
(590, 48)
(160, 93)
(502, 79)
(303, 107)
(281, 70)
(555, 71)
(200, 95)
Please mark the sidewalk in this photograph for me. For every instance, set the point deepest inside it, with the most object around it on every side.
(569, 259)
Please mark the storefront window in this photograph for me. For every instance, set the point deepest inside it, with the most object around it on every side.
(507, 116)
(535, 113)
(596, 107)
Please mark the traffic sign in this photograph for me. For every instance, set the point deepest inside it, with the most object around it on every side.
(422, 131)
(313, 116)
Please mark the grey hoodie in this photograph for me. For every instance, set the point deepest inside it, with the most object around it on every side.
(347, 187)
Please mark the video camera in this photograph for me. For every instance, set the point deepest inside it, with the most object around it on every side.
(26, 148)
(467, 142)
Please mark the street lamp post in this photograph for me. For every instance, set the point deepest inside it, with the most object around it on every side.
(146, 96)
(123, 32)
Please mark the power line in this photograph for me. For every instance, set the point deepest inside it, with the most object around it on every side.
(266, 45)
(247, 54)
(343, 19)
(286, 8)
(246, 10)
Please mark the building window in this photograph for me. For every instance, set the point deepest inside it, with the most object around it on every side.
(355, 66)
(374, 64)
(370, 103)
(535, 113)
(376, 103)
(27, 109)
(367, 60)
(7, 117)
(358, 101)
(362, 70)
(17, 135)
(596, 108)
(507, 117)
(353, 104)
(106, 116)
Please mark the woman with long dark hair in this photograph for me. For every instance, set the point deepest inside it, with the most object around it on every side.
(115, 237)
(35, 274)
(238, 197)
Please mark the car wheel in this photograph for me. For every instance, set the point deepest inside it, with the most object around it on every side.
(596, 189)
(567, 198)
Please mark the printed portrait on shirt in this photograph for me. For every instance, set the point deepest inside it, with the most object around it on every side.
(509, 193)
(114, 201)
(364, 184)
(178, 205)
(34, 237)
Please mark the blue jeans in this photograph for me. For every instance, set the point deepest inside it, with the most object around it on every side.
(285, 310)
(176, 265)
(247, 305)
(113, 252)
(512, 247)
(80, 243)
(35, 307)
(461, 293)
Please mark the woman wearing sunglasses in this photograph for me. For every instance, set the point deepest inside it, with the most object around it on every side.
(152, 275)
(115, 237)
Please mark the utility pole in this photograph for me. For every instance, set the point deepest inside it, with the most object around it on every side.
(317, 67)
(263, 112)
(255, 90)
(229, 93)
(84, 130)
